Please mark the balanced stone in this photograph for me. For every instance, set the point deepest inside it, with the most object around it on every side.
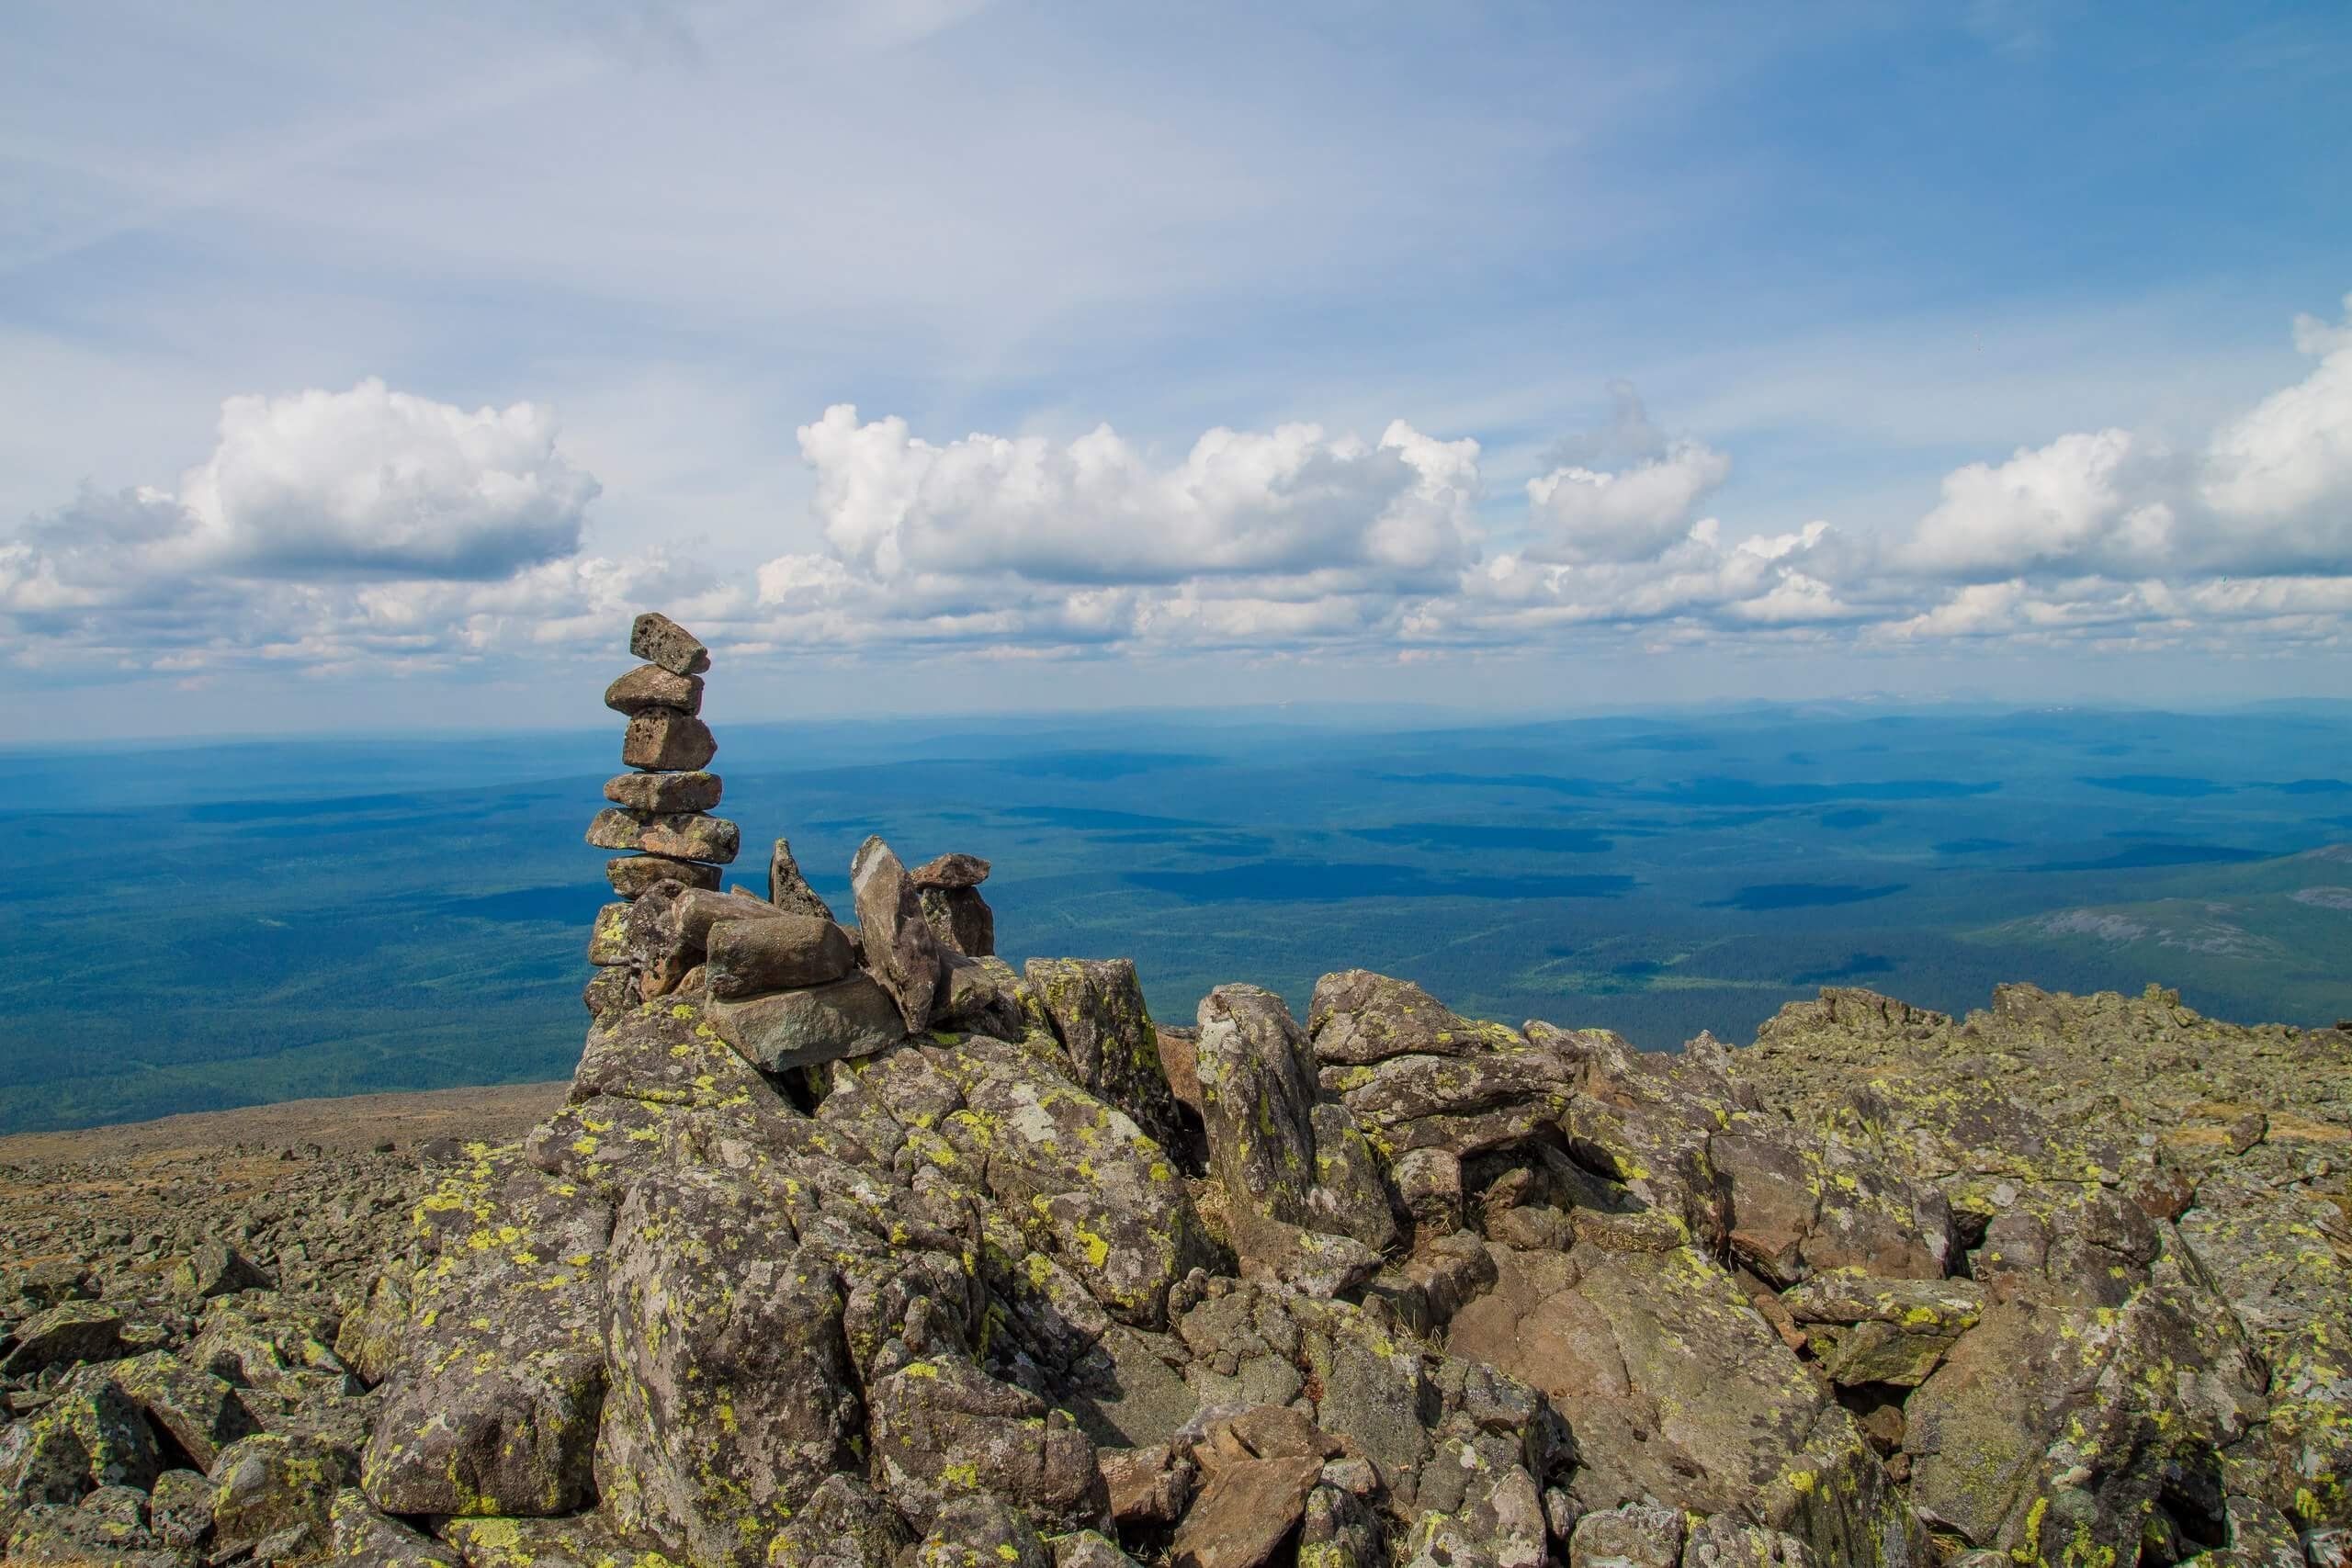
(801, 1028)
(667, 738)
(632, 875)
(787, 889)
(953, 870)
(683, 835)
(776, 953)
(651, 686)
(900, 947)
(658, 640)
(961, 920)
(690, 791)
(699, 911)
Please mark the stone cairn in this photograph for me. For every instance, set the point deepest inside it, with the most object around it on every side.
(783, 983)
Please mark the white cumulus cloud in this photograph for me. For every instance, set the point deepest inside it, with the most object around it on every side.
(1097, 509)
(1630, 513)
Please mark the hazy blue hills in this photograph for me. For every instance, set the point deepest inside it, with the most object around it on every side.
(198, 926)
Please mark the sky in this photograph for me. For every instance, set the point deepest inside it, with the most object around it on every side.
(369, 368)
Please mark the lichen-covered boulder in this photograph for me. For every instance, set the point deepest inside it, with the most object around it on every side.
(492, 1406)
(1498, 1091)
(731, 1392)
(358, 1534)
(199, 1412)
(844, 1524)
(941, 1430)
(1076, 1175)
(1359, 1018)
(88, 1438)
(1282, 1148)
(2052, 1428)
(812, 1025)
(1677, 1390)
(1095, 1008)
(272, 1481)
(576, 1541)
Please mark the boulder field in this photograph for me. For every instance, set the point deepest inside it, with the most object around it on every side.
(852, 1246)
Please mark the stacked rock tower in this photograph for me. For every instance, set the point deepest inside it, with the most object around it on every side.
(785, 982)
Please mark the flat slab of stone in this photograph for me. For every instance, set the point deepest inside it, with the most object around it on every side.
(658, 640)
(699, 911)
(802, 1028)
(692, 790)
(954, 870)
(682, 835)
(665, 739)
(651, 686)
(633, 875)
(778, 951)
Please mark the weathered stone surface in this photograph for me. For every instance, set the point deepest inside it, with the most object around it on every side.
(732, 1395)
(633, 875)
(961, 920)
(653, 942)
(1096, 1009)
(66, 1332)
(844, 1524)
(777, 951)
(216, 1269)
(782, 1030)
(1678, 1393)
(492, 1405)
(901, 951)
(981, 1531)
(657, 793)
(1280, 1150)
(1146, 1485)
(90, 1436)
(1359, 1018)
(579, 1540)
(1077, 1176)
(608, 938)
(698, 910)
(679, 835)
(659, 641)
(270, 1482)
(666, 740)
(1636, 1534)
(1244, 1512)
(651, 687)
(787, 889)
(2055, 1427)
(952, 870)
(942, 1431)
(358, 1534)
(981, 996)
(199, 1412)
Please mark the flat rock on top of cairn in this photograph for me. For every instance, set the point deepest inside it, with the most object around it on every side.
(952, 870)
(658, 640)
(651, 686)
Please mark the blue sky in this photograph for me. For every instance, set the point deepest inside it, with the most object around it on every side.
(371, 367)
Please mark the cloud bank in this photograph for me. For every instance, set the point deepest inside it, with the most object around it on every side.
(373, 524)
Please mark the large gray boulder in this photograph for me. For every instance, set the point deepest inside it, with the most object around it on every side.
(732, 1396)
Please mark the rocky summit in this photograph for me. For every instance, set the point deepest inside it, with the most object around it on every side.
(851, 1246)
